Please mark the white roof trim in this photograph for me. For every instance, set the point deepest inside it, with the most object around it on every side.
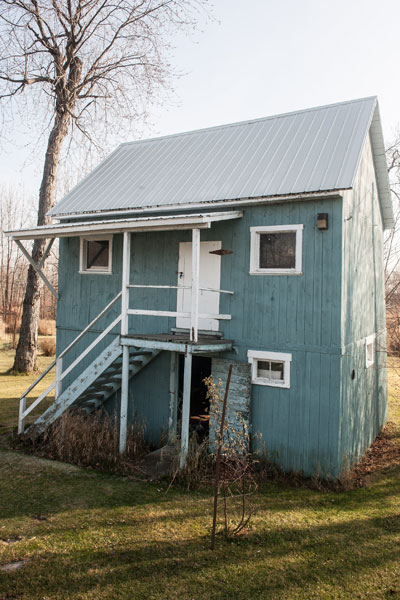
(381, 172)
(214, 204)
(158, 223)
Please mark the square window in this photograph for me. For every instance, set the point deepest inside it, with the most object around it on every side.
(276, 250)
(96, 255)
(369, 351)
(270, 368)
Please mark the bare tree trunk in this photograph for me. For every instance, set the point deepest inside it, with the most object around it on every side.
(26, 353)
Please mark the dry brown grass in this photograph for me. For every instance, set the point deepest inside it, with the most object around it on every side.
(47, 327)
(48, 346)
(13, 325)
(2, 329)
(91, 440)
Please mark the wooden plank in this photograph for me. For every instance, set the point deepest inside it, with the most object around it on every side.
(126, 261)
(91, 346)
(182, 347)
(77, 387)
(187, 380)
(36, 267)
(194, 318)
(173, 398)
(86, 329)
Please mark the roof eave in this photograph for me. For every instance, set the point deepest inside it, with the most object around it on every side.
(382, 177)
(204, 205)
(140, 224)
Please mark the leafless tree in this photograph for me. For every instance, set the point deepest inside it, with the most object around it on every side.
(85, 60)
(392, 249)
(13, 269)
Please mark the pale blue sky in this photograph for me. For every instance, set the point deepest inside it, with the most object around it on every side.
(263, 57)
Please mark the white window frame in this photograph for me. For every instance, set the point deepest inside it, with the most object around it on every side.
(255, 355)
(370, 342)
(83, 255)
(255, 249)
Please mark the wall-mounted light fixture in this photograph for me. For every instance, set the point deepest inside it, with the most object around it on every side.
(322, 221)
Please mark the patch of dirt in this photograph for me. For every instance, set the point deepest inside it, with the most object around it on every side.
(13, 566)
(15, 458)
(383, 455)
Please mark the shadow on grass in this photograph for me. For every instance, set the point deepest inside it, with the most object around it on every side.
(336, 557)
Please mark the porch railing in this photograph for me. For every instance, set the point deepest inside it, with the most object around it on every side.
(58, 364)
(194, 315)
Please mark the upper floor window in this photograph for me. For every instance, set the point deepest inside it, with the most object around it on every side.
(276, 250)
(96, 254)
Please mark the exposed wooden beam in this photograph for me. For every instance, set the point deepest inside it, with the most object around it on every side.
(126, 263)
(173, 398)
(36, 267)
(187, 383)
(194, 318)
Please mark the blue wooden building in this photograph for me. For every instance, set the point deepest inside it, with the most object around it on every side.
(258, 244)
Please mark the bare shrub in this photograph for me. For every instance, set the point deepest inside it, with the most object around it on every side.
(13, 324)
(48, 346)
(92, 440)
(47, 327)
(236, 481)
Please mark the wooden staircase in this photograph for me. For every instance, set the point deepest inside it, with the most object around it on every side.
(98, 382)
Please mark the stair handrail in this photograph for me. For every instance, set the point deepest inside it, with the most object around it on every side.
(23, 411)
(84, 331)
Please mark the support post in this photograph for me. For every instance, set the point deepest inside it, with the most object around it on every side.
(187, 380)
(173, 398)
(194, 319)
(36, 267)
(21, 416)
(126, 256)
(59, 362)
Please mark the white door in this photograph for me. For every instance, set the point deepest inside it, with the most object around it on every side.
(210, 277)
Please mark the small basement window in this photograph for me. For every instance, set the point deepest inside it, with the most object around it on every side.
(270, 368)
(276, 250)
(96, 255)
(370, 351)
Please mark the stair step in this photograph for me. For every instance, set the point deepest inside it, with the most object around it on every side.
(98, 382)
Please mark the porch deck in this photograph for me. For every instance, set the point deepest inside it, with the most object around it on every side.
(178, 342)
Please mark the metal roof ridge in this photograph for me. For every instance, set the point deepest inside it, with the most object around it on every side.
(245, 122)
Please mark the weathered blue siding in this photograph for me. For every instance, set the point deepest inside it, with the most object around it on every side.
(296, 314)
(364, 398)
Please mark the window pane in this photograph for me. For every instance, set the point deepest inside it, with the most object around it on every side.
(97, 254)
(278, 250)
(263, 369)
(277, 370)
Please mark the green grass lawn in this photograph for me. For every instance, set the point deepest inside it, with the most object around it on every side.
(87, 535)
(12, 386)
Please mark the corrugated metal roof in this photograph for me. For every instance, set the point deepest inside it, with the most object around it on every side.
(308, 151)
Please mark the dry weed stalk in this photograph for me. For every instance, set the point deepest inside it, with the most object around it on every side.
(48, 346)
(47, 327)
(92, 440)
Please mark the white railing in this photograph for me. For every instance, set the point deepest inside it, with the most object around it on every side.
(194, 317)
(60, 374)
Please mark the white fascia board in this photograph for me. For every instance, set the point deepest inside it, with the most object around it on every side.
(160, 223)
(382, 177)
(239, 202)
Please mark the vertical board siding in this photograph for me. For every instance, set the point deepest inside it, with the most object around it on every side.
(364, 398)
(296, 314)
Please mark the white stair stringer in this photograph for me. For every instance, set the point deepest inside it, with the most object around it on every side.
(94, 385)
